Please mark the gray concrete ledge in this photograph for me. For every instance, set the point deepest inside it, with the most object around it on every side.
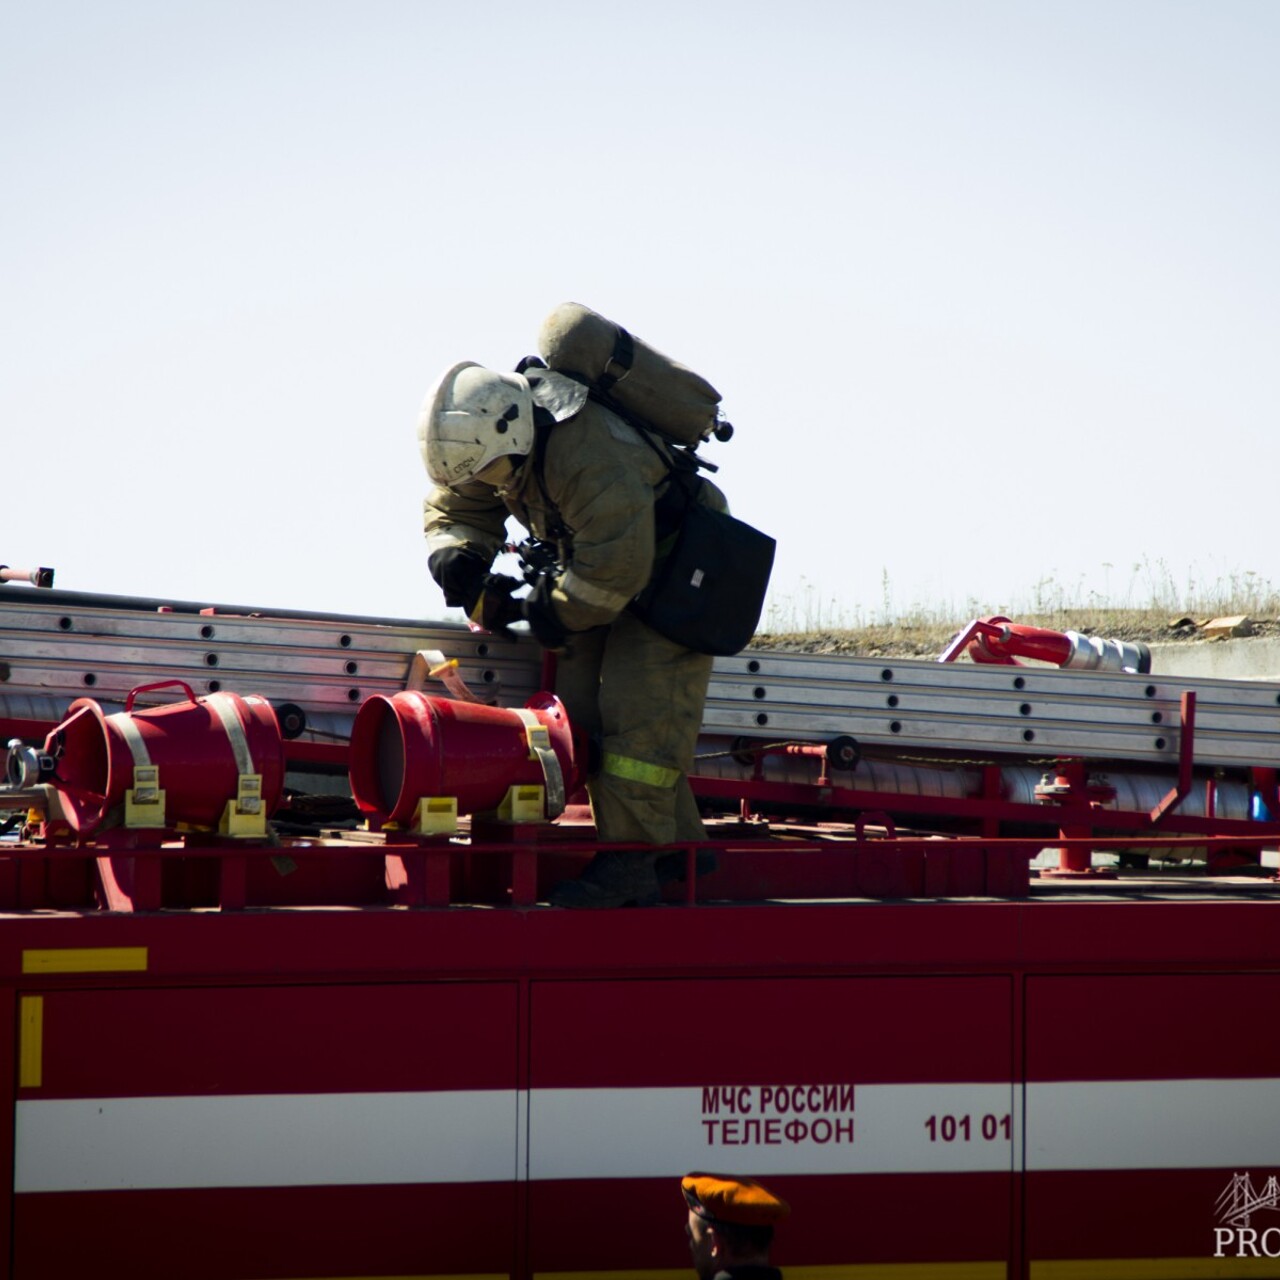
(1256, 658)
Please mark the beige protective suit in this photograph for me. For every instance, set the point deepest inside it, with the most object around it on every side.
(640, 694)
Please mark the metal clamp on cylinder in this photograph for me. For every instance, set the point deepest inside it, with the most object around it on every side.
(245, 815)
(144, 801)
(539, 740)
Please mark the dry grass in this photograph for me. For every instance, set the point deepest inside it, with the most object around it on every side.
(1166, 614)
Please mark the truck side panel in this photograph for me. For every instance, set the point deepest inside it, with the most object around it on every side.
(269, 1131)
(1147, 1095)
(861, 1099)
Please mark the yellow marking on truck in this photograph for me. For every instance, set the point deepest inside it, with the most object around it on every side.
(904, 1271)
(1151, 1268)
(31, 1042)
(86, 960)
(835, 1271)
(682, 1274)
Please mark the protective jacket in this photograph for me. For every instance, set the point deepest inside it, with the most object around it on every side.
(600, 480)
(640, 695)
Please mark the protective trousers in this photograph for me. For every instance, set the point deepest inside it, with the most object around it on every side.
(643, 697)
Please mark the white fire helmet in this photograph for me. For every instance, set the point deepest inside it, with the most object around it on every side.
(471, 417)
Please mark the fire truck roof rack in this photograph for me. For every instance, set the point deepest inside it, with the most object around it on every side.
(825, 777)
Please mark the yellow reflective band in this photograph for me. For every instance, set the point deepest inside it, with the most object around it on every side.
(578, 588)
(652, 775)
(1151, 1268)
(86, 960)
(31, 1042)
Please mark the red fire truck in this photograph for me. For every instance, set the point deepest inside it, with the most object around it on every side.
(283, 1002)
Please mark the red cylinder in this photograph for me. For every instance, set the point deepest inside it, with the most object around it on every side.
(411, 745)
(188, 742)
(1019, 642)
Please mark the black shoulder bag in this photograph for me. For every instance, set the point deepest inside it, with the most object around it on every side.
(710, 573)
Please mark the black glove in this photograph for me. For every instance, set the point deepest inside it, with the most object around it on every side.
(459, 572)
(495, 609)
(549, 631)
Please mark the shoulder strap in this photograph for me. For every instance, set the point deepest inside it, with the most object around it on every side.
(621, 359)
(599, 392)
(683, 480)
(682, 467)
(672, 505)
(543, 425)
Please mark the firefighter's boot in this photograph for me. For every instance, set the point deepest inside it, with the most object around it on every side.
(675, 866)
(612, 879)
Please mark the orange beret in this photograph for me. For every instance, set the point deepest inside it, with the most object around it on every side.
(718, 1197)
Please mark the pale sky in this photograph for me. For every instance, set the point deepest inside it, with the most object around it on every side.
(991, 288)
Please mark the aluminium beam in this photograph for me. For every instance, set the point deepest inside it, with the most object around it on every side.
(918, 706)
(60, 646)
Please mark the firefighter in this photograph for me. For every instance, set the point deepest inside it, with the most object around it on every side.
(730, 1226)
(577, 476)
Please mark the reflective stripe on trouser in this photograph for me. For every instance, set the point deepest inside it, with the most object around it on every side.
(652, 775)
(644, 696)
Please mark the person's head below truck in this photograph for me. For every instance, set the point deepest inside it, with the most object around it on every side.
(607, 498)
(730, 1226)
